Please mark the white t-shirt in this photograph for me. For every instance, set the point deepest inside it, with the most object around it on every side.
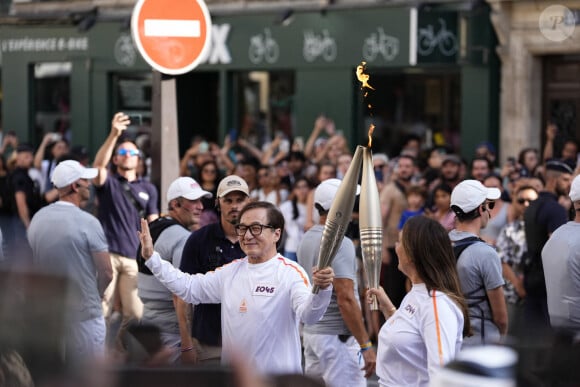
(294, 228)
(262, 305)
(408, 351)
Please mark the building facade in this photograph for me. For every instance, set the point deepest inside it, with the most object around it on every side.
(272, 65)
(539, 51)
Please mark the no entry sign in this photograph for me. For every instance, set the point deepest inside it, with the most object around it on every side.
(173, 36)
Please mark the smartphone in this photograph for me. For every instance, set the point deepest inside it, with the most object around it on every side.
(55, 137)
(578, 159)
(511, 161)
(299, 142)
(203, 147)
(233, 135)
(284, 146)
(135, 119)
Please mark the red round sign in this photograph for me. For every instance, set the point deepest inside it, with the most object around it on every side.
(173, 36)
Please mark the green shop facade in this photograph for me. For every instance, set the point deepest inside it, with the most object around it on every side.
(435, 74)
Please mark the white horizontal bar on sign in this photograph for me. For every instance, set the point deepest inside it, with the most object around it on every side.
(172, 28)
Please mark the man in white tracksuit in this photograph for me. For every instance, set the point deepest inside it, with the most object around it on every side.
(263, 296)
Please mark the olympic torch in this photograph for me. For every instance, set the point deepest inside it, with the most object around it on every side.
(370, 224)
(340, 213)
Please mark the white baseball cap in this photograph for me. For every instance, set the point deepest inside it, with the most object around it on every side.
(470, 194)
(69, 171)
(186, 187)
(575, 189)
(326, 192)
(230, 184)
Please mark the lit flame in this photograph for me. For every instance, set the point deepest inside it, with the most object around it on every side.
(362, 77)
(371, 130)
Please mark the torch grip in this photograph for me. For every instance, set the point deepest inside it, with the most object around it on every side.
(315, 289)
(371, 245)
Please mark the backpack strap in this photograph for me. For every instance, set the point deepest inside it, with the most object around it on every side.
(473, 301)
(129, 195)
(462, 244)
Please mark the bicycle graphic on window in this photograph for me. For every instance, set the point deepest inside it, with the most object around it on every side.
(315, 46)
(445, 40)
(380, 43)
(263, 47)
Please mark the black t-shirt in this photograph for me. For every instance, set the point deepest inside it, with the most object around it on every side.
(6, 195)
(541, 218)
(22, 182)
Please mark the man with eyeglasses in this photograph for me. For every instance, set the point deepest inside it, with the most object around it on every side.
(68, 241)
(124, 199)
(263, 296)
(478, 264)
(207, 249)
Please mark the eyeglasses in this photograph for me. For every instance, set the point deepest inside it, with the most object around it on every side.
(130, 152)
(524, 200)
(255, 229)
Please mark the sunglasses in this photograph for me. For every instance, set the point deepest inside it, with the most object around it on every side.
(130, 152)
(523, 200)
(490, 206)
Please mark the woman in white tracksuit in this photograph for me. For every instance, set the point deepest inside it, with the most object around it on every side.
(427, 330)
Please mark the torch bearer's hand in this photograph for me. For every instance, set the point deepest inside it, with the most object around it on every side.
(385, 304)
(323, 277)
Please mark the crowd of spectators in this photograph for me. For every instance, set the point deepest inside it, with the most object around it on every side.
(417, 181)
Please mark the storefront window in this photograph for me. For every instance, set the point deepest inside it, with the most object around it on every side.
(425, 105)
(265, 105)
(51, 99)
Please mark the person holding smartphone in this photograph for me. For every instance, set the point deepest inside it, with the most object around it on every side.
(124, 199)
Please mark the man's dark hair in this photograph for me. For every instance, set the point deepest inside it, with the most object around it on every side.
(275, 217)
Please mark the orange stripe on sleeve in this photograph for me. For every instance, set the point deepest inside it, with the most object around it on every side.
(438, 331)
(305, 279)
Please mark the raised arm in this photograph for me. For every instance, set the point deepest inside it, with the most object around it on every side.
(551, 131)
(319, 125)
(195, 289)
(119, 124)
(39, 155)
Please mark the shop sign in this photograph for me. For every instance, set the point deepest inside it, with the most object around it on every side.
(44, 44)
(338, 38)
